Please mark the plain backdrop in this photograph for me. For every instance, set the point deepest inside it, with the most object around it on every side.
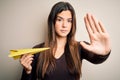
(23, 24)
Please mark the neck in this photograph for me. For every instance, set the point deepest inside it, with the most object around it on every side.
(59, 50)
(61, 42)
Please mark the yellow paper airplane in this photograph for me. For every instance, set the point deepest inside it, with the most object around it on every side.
(16, 54)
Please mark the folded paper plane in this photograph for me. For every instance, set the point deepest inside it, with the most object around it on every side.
(16, 54)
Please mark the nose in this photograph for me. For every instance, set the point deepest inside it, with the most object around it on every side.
(64, 23)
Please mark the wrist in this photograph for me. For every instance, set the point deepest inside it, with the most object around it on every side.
(28, 72)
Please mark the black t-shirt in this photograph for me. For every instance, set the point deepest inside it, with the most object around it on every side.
(61, 71)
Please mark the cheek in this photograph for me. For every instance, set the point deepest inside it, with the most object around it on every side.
(57, 28)
(70, 27)
(58, 24)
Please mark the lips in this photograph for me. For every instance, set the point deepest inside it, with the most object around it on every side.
(63, 31)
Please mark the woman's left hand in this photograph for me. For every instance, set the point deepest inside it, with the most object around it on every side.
(99, 38)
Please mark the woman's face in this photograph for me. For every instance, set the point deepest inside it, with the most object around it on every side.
(63, 23)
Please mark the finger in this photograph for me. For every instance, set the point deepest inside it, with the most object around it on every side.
(91, 23)
(27, 59)
(87, 25)
(22, 59)
(88, 28)
(97, 26)
(27, 63)
(23, 56)
(102, 27)
(26, 56)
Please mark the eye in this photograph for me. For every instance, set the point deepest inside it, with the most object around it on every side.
(69, 20)
(58, 19)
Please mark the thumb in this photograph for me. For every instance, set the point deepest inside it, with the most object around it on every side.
(85, 45)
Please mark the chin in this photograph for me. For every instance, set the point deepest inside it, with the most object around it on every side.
(62, 36)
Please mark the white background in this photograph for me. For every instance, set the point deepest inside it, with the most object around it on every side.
(23, 24)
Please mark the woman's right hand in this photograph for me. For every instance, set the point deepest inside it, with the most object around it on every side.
(26, 61)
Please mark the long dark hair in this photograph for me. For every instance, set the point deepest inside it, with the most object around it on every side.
(72, 59)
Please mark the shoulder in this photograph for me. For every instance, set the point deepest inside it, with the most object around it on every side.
(40, 45)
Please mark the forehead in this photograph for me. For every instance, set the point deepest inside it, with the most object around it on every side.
(65, 14)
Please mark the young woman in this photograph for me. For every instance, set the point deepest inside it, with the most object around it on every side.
(64, 59)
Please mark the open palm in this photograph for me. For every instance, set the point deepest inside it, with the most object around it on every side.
(99, 38)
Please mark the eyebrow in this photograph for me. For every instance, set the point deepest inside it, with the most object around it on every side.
(62, 17)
